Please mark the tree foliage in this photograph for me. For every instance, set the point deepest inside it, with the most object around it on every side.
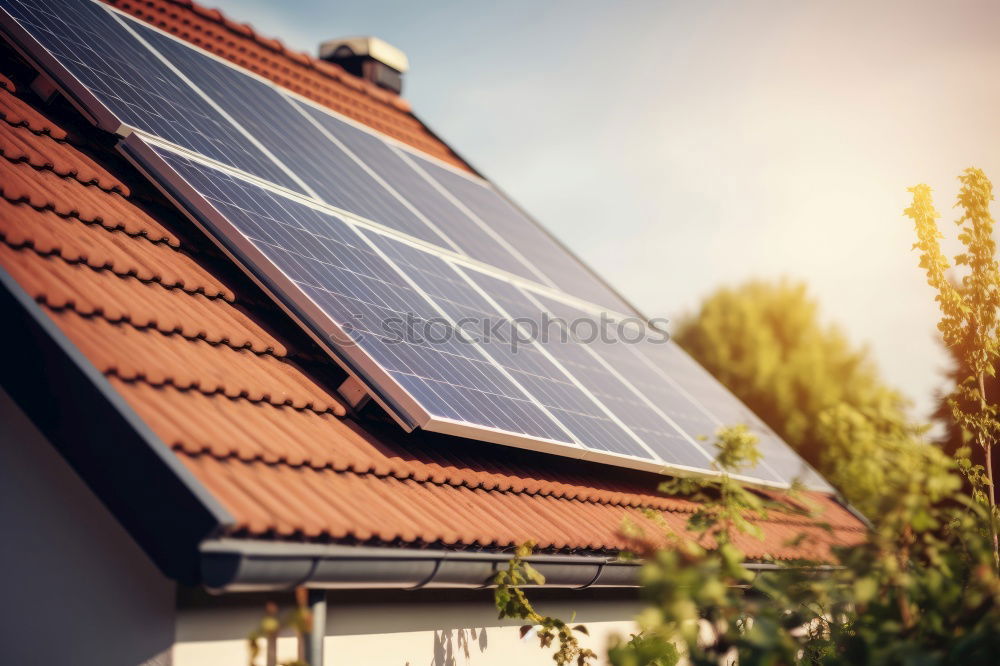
(298, 620)
(922, 590)
(766, 342)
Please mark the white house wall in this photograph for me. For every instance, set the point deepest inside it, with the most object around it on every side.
(419, 631)
(76, 590)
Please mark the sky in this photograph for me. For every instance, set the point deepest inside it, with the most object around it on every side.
(680, 146)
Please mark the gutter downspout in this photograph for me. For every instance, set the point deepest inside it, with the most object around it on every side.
(314, 644)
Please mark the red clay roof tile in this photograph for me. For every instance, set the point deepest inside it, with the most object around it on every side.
(161, 359)
(340, 505)
(57, 156)
(60, 285)
(69, 198)
(16, 112)
(47, 233)
(233, 401)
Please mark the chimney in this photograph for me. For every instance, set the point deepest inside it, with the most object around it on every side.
(370, 58)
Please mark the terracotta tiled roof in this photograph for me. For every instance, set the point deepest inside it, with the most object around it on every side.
(320, 81)
(245, 401)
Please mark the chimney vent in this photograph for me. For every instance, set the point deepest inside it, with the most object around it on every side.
(370, 58)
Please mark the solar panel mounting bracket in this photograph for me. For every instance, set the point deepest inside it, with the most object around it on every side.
(354, 393)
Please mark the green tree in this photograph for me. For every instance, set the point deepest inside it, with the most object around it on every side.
(955, 438)
(766, 342)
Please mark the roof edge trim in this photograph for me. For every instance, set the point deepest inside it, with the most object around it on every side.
(239, 565)
(244, 565)
(132, 471)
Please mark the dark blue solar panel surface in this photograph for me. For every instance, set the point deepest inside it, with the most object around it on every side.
(663, 438)
(331, 263)
(779, 463)
(527, 237)
(134, 84)
(274, 121)
(418, 190)
(613, 347)
(511, 350)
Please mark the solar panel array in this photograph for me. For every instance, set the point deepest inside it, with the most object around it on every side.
(422, 280)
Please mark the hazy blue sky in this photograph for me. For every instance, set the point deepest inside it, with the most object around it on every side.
(678, 146)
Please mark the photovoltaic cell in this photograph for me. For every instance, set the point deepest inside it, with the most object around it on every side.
(396, 326)
(419, 191)
(276, 122)
(528, 238)
(513, 351)
(134, 85)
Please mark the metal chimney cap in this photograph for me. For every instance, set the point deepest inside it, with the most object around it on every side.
(372, 47)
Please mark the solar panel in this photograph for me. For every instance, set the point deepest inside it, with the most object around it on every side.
(641, 420)
(661, 386)
(394, 167)
(512, 349)
(387, 256)
(331, 173)
(682, 370)
(317, 262)
(120, 82)
(530, 240)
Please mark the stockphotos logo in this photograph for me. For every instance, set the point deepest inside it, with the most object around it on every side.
(514, 334)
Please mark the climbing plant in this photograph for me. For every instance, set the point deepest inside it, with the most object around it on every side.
(513, 603)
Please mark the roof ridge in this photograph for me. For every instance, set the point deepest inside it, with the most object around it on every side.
(327, 69)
